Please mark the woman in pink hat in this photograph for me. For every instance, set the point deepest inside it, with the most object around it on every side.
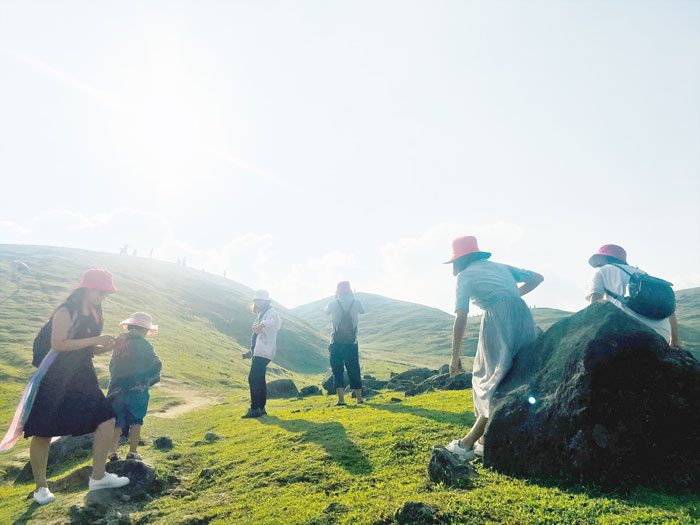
(609, 281)
(64, 397)
(506, 327)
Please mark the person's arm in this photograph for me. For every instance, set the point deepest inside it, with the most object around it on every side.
(59, 335)
(595, 289)
(533, 281)
(458, 330)
(675, 341)
(595, 298)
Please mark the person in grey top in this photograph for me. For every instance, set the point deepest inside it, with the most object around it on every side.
(345, 311)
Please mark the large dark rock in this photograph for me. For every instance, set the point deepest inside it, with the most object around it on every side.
(599, 398)
(163, 443)
(63, 450)
(461, 381)
(445, 468)
(409, 379)
(281, 389)
(329, 385)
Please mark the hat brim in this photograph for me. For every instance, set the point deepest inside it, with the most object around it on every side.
(153, 329)
(475, 256)
(600, 259)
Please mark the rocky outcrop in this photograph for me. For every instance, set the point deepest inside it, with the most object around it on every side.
(409, 379)
(599, 398)
(444, 467)
(461, 381)
(63, 450)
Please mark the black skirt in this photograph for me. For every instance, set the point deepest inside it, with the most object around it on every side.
(69, 400)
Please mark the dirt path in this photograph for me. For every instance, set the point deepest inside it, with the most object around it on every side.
(183, 399)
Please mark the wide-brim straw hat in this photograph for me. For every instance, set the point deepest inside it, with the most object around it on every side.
(143, 320)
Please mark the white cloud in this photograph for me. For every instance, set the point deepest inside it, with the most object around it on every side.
(13, 227)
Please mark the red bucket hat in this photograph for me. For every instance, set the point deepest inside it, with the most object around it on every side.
(343, 288)
(467, 245)
(98, 280)
(608, 250)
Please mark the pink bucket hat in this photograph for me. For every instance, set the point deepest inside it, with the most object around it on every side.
(143, 320)
(467, 245)
(608, 250)
(343, 288)
(98, 280)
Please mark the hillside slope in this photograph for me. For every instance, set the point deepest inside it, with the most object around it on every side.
(204, 319)
(402, 332)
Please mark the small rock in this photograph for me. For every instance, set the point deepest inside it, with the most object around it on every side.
(367, 376)
(445, 468)
(211, 437)
(412, 513)
(206, 473)
(181, 493)
(396, 400)
(199, 443)
(125, 498)
(312, 390)
(296, 411)
(163, 443)
(328, 382)
(335, 507)
(444, 369)
(281, 389)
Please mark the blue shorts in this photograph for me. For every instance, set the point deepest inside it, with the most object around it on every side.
(130, 408)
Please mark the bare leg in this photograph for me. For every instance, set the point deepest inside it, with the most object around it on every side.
(358, 395)
(341, 394)
(134, 436)
(100, 447)
(39, 456)
(115, 441)
(475, 433)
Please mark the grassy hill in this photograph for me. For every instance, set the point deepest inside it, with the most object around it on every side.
(308, 462)
(404, 333)
(400, 332)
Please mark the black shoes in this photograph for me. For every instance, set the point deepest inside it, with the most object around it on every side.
(253, 412)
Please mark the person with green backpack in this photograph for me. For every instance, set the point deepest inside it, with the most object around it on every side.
(344, 349)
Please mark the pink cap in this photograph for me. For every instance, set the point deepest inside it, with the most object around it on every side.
(608, 250)
(462, 246)
(343, 288)
(98, 280)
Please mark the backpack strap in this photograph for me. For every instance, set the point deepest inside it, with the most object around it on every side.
(343, 311)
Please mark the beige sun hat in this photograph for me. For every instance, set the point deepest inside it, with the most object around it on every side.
(141, 319)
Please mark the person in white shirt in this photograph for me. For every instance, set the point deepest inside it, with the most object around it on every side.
(612, 275)
(263, 349)
(345, 311)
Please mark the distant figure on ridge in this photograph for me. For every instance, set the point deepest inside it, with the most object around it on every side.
(506, 327)
(263, 348)
(610, 281)
(134, 368)
(344, 351)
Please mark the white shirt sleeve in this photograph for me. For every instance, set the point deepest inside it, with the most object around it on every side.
(596, 284)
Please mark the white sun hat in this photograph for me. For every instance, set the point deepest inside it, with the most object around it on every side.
(262, 295)
(141, 319)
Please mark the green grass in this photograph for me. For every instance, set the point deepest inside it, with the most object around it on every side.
(288, 467)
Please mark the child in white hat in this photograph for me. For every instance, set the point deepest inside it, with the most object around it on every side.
(134, 367)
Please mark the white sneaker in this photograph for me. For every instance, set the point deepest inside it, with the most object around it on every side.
(479, 449)
(43, 496)
(109, 481)
(465, 454)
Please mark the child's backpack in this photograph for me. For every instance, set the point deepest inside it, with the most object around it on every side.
(42, 342)
(648, 296)
(346, 331)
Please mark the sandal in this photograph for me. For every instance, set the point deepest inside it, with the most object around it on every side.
(134, 455)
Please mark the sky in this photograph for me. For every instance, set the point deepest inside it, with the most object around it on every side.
(293, 144)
